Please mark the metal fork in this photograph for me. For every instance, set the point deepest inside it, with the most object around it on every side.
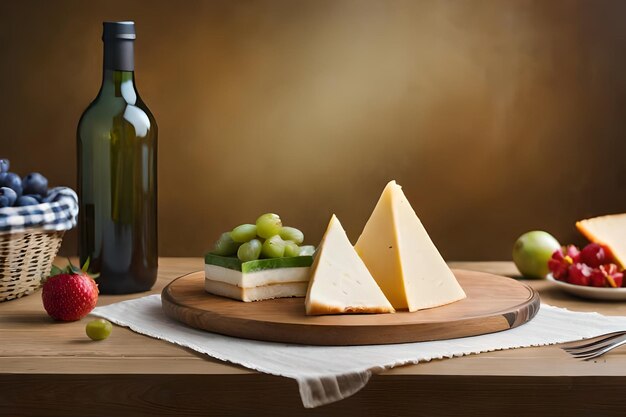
(600, 345)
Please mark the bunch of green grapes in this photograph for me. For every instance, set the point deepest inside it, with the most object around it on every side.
(267, 238)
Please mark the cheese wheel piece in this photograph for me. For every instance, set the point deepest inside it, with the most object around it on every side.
(609, 231)
(340, 282)
(402, 258)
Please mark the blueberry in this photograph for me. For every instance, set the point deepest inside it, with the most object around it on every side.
(35, 183)
(26, 200)
(4, 165)
(9, 194)
(4, 202)
(35, 196)
(13, 181)
(3, 175)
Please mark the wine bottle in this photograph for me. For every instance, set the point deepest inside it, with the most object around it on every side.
(117, 174)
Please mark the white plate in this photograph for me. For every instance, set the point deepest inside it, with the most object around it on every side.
(595, 293)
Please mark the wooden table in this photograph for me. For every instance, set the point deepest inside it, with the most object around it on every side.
(51, 368)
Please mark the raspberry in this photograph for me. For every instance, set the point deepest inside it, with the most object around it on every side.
(561, 261)
(597, 278)
(593, 255)
(612, 274)
(580, 274)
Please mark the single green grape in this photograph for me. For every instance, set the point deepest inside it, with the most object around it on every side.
(307, 250)
(249, 251)
(243, 233)
(225, 245)
(293, 234)
(268, 225)
(98, 329)
(274, 247)
(291, 249)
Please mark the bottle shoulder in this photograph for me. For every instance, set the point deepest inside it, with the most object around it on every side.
(144, 107)
(105, 114)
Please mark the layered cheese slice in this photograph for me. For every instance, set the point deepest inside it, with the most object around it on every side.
(264, 292)
(402, 258)
(258, 280)
(340, 282)
(609, 231)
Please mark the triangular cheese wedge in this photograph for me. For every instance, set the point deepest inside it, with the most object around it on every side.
(401, 257)
(609, 231)
(340, 282)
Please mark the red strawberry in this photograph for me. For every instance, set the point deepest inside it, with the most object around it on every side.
(69, 294)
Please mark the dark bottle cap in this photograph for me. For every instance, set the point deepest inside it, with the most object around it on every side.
(118, 31)
(119, 38)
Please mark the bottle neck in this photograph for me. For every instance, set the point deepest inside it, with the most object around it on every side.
(119, 84)
(118, 76)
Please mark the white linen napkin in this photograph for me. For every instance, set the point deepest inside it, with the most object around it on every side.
(326, 374)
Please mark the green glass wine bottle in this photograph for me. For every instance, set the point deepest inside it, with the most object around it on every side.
(117, 174)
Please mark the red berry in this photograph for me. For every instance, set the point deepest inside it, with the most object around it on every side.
(612, 274)
(593, 255)
(597, 278)
(69, 297)
(561, 261)
(610, 257)
(573, 253)
(558, 269)
(579, 274)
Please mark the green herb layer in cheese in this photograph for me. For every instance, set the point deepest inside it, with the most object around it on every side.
(258, 265)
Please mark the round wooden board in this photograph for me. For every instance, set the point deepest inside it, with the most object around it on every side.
(493, 304)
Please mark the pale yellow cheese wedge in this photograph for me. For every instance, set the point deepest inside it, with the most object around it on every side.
(340, 282)
(609, 231)
(402, 258)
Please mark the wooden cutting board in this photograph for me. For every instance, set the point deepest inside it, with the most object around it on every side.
(494, 303)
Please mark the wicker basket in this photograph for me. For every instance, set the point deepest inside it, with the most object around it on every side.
(25, 259)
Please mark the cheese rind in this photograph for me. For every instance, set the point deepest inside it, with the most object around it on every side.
(402, 258)
(610, 231)
(340, 282)
(264, 292)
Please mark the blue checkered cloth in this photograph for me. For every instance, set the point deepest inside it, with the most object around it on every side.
(60, 213)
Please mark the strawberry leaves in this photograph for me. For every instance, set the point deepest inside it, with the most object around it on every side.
(73, 269)
(55, 271)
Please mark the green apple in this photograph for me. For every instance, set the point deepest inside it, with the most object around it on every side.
(532, 251)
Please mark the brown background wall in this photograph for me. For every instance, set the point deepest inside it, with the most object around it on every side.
(497, 117)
